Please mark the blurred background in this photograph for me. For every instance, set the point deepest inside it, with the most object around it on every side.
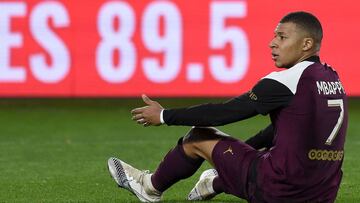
(70, 72)
(161, 48)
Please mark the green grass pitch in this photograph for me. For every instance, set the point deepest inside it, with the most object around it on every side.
(55, 150)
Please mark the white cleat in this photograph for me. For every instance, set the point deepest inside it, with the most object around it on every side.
(132, 180)
(203, 189)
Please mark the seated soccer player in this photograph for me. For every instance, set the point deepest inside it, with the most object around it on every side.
(302, 148)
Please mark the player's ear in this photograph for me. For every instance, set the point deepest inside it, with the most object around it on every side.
(308, 43)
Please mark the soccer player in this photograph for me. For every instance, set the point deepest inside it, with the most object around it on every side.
(297, 158)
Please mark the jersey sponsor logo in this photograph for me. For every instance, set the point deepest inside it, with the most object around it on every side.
(326, 155)
(252, 95)
(329, 88)
(229, 150)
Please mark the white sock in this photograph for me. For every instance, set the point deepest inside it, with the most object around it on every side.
(148, 186)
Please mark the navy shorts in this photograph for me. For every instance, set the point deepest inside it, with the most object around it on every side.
(233, 161)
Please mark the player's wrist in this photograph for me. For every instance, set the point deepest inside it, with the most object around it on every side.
(162, 116)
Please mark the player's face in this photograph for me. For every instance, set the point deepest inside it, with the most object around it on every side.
(287, 45)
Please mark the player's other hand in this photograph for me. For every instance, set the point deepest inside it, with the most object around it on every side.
(147, 115)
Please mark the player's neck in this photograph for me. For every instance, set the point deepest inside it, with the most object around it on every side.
(309, 55)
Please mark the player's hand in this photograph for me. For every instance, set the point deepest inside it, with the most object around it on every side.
(147, 115)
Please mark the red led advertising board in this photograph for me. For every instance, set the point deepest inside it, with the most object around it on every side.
(161, 48)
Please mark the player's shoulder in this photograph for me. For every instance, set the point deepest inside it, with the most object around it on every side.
(320, 71)
(290, 77)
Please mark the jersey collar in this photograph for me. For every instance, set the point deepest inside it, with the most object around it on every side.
(313, 58)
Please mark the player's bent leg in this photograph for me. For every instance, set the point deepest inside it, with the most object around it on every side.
(203, 189)
(180, 164)
(231, 158)
(134, 180)
(175, 166)
(200, 142)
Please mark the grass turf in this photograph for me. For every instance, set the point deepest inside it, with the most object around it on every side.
(55, 150)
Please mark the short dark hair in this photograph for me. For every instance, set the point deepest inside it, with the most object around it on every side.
(308, 22)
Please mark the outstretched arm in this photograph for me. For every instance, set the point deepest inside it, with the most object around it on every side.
(212, 114)
(266, 96)
(209, 114)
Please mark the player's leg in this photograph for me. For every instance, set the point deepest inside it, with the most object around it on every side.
(180, 163)
(232, 159)
(201, 143)
(176, 165)
(185, 159)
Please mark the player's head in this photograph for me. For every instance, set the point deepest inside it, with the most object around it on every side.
(297, 36)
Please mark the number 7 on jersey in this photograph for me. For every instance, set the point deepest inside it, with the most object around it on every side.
(336, 103)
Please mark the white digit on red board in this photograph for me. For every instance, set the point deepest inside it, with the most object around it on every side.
(170, 43)
(59, 66)
(116, 39)
(10, 40)
(220, 35)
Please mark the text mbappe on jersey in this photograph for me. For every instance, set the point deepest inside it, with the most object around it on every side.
(328, 88)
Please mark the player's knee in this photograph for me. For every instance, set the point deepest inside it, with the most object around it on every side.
(193, 138)
(198, 140)
(199, 134)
